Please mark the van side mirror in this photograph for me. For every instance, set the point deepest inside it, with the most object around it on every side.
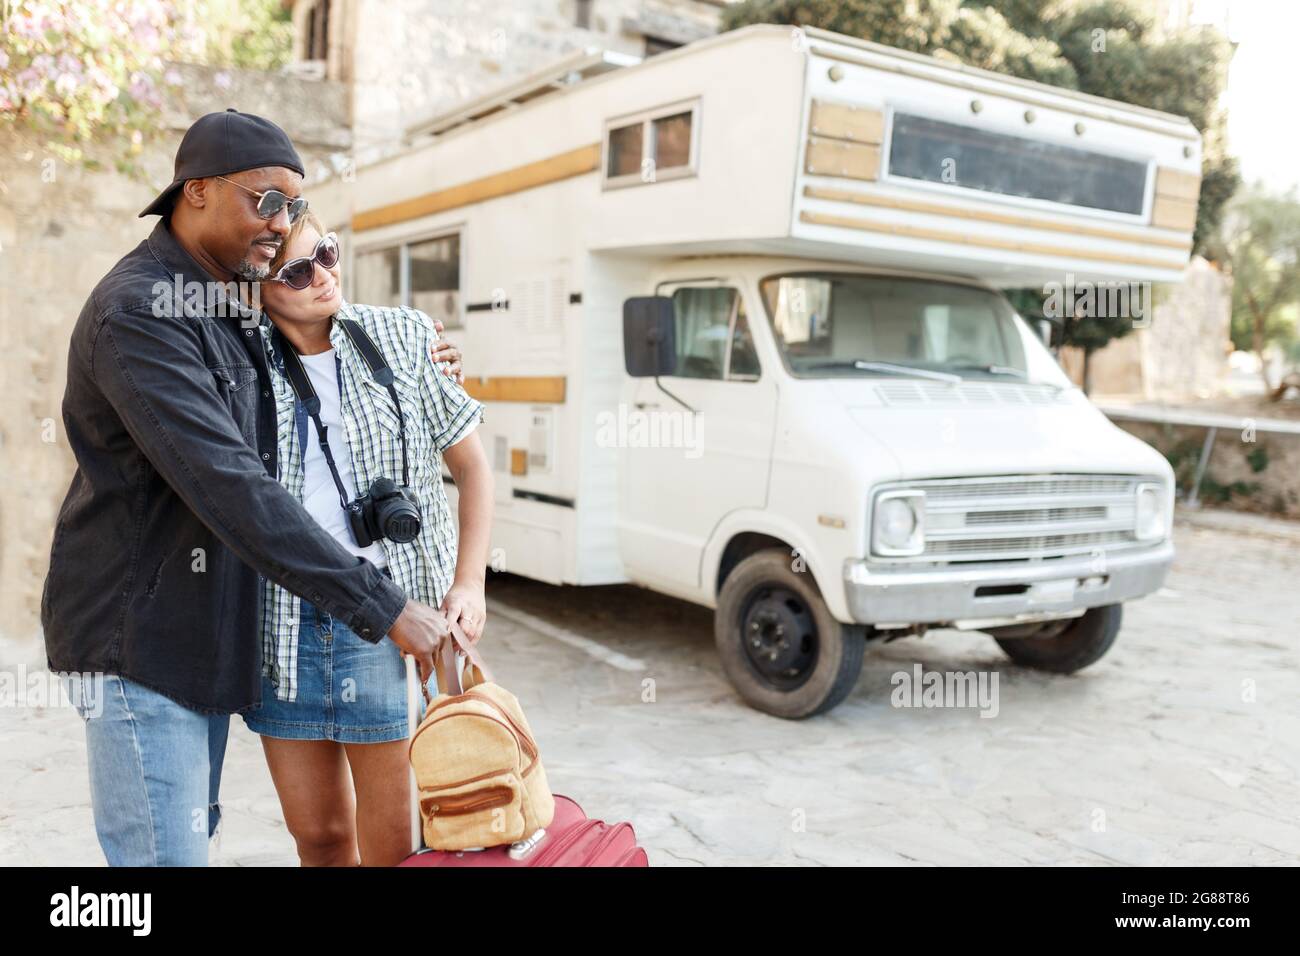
(649, 336)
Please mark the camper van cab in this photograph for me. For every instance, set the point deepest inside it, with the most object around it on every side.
(735, 313)
(871, 454)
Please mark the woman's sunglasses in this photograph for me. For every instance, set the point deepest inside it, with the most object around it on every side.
(298, 273)
(272, 201)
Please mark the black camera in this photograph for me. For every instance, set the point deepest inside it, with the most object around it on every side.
(385, 511)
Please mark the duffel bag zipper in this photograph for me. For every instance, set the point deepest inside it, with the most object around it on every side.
(531, 747)
(468, 803)
(452, 785)
(528, 746)
(495, 720)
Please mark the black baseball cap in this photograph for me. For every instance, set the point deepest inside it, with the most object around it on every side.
(223, 143)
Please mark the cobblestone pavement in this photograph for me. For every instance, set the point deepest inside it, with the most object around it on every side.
(1182, 746)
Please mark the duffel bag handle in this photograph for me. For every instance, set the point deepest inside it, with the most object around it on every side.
(444, 663)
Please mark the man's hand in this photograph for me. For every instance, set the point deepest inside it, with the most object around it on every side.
(465, 604)
(417, 631)
(448, 355)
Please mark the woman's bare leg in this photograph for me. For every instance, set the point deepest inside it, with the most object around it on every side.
(311, 777)
(381, 775)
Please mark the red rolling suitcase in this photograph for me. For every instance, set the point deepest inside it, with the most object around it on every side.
(572, 839)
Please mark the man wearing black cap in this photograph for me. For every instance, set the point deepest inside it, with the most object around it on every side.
(152, 597)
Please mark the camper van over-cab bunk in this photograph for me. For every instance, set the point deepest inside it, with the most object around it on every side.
(735, 314)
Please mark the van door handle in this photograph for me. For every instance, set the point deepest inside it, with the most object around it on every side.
(640, 405)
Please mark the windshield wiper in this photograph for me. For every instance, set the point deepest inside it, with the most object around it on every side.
(996, 370)
(1008, 371)
(889, 368)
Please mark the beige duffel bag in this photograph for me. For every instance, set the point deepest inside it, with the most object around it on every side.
(479, 779)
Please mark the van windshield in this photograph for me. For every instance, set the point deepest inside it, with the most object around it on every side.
(845, 324)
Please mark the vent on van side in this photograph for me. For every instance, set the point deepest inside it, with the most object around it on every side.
(974, 394)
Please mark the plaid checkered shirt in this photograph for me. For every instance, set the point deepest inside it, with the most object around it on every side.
(438, 414)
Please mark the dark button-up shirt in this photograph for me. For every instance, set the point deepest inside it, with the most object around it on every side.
(174, 513)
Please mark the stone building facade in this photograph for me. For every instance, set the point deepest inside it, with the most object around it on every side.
(405, 59)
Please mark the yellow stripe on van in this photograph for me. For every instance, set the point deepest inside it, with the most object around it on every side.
(518, 388)
(960, 212)
(576, 162)
(966, 239)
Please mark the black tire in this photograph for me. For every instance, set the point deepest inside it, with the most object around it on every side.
(767, 600)
(1080, 643)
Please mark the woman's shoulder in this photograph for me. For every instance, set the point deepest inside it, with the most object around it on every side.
(384, 317)
(402, 334)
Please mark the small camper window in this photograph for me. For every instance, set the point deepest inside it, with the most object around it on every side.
(651, 146)
(377, 277)
(938, 152)
(625, 151)
(434, 283)
(422, 275)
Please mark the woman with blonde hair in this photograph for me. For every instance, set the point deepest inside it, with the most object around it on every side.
(365, 422)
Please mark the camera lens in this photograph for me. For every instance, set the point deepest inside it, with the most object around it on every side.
(395, 515)
(403, 524)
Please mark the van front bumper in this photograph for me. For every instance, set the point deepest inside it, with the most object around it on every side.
(881, 595)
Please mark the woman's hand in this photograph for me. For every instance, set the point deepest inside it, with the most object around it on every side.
(465, 604)
(446, 354)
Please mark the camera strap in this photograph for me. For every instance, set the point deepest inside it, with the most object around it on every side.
(379, 371)
(302, 387)
(382, 375)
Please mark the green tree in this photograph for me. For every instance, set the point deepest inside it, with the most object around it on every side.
(1260, 250)
(245, 34)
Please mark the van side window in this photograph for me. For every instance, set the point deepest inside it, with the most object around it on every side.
(713, 338)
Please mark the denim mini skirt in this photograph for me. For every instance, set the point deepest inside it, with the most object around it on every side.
(349, 690)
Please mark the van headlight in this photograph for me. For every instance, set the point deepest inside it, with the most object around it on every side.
(898, 524)
(1149, 521)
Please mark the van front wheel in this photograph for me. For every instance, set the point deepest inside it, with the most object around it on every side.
(780, 647)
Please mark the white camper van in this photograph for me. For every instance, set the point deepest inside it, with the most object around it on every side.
(734, 311)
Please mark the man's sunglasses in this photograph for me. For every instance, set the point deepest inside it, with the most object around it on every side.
(298, 273)
(272, 201)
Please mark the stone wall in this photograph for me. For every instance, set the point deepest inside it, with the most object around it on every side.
(61, 229)
(1182, 355)
(1248, 470)
(1185, 352)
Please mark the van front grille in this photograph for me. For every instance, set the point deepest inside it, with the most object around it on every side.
(1026, 518)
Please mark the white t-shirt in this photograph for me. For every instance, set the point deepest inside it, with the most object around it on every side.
(319, 494)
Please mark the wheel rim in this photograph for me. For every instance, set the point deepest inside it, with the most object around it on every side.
(779, 635)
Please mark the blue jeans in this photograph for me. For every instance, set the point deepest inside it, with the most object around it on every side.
(155, 771)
